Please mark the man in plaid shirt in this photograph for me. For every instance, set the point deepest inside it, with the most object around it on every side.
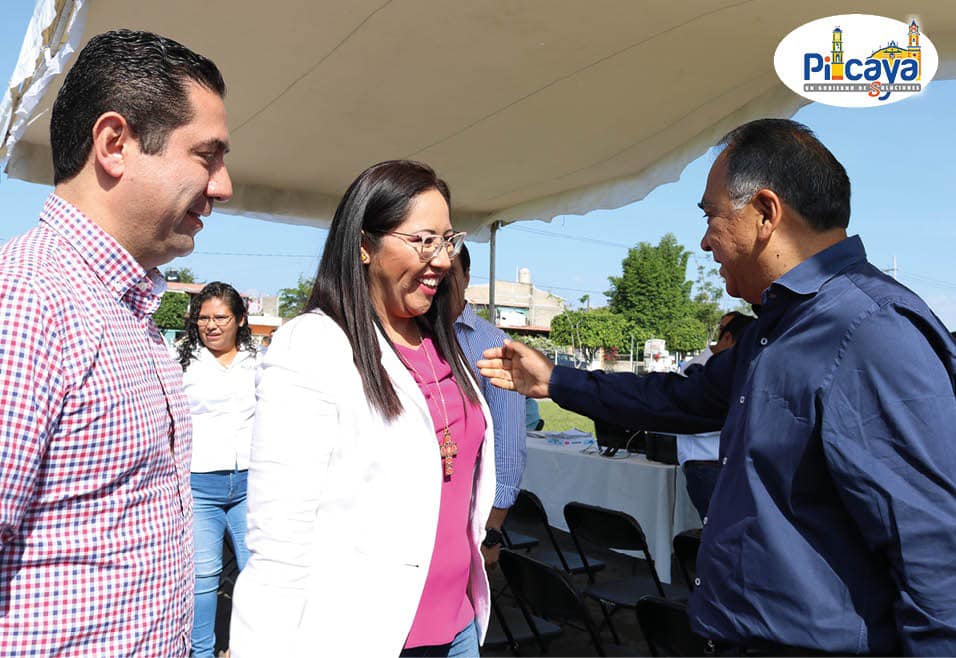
(95, 504)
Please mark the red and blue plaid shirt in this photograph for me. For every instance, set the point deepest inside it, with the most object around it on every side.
(95, 505)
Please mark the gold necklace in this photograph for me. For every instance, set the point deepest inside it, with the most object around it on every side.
(449, 449)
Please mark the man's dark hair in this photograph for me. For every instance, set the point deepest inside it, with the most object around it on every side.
(141, 76)
(786, 157)
(465, 259)
(736, 325)
(376, 203)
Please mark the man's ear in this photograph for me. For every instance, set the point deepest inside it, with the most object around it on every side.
(770, 210)
(112, 140)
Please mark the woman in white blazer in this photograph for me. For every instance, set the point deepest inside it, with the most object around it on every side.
(372, 468)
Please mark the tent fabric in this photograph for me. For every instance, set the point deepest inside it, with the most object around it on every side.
(530, 110)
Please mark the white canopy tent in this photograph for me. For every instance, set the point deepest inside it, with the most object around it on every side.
(530, 109)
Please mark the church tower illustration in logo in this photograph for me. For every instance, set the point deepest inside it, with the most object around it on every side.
(836, 67)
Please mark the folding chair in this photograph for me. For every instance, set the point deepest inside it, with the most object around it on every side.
(546, 591)
(612, 530)
(686, 545)
(517, 541)
(510, 628)
(667, 629)
(529, 510)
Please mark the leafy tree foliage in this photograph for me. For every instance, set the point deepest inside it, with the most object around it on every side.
(590, 330)
(709, 291)
(654, 296)
(541, 343)
(292, 300)
(172, 310)
(184, 274)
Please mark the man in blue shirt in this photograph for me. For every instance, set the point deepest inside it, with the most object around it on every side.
(833, 524)
(475, 335)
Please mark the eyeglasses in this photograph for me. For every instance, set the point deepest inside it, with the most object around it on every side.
(218, 320)
(428, 245)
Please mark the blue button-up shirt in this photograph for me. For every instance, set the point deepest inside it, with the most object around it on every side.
(833, 524)
(507, 407)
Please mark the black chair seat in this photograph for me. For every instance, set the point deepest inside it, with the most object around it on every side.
(626, 592)
(521, 633)
(517, 541)
(575, 565)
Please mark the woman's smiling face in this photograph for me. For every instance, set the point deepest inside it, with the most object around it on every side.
(401, 286)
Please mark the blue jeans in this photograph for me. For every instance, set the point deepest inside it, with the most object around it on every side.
(219, 506)
(465, 645)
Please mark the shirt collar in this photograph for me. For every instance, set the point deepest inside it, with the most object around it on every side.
(113, 264)
(468, 317)
(208, 359)
(809, 276)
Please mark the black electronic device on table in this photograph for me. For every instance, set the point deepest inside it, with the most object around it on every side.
(661, 447)
(611, 438)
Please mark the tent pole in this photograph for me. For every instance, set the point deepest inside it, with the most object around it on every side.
(491, 276)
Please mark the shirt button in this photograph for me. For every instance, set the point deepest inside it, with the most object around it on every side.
(764, 341)
(696, 582)
(705, 520)
(724, 461)
(144, 286)
(742, 398)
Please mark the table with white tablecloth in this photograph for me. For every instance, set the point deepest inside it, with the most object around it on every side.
(653, 493)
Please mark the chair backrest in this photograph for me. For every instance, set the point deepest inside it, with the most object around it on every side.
(608, 529)
(686, 545)
(546, 592)
(604, 527)
(527, 508)
(666, 628)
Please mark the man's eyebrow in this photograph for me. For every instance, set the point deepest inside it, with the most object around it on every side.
(214, 144)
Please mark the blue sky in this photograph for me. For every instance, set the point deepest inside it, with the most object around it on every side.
(901, 160)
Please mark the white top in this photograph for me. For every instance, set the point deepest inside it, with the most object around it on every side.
(222, 400)
(698, 447)
(343, 505)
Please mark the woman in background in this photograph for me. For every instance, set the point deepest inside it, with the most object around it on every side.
(219, 365)
(372, 467)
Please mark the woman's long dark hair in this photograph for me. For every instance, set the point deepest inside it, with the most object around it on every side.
(236, 304)
(377, 202)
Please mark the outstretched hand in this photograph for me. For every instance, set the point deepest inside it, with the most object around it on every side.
(516, 367)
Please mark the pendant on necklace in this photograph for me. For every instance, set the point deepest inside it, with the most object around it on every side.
(449, 450)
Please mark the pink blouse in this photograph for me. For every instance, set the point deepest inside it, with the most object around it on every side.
(444, 608)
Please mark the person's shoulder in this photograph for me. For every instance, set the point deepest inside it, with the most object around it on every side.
(309, 333)
(488, 330)
(30, 268)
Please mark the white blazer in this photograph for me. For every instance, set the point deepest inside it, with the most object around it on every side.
(343, 505)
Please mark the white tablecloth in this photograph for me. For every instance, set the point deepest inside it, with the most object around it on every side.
(655, 494)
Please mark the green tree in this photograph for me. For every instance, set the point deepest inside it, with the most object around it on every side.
(183, 274)
(172, 310)
(541, 343)
(709, 292)
(292, 300)
(590, 330)
(654, 296)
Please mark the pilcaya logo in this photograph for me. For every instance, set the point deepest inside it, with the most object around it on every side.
(857, 60)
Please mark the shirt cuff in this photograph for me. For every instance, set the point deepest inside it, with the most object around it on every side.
(505, 495)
